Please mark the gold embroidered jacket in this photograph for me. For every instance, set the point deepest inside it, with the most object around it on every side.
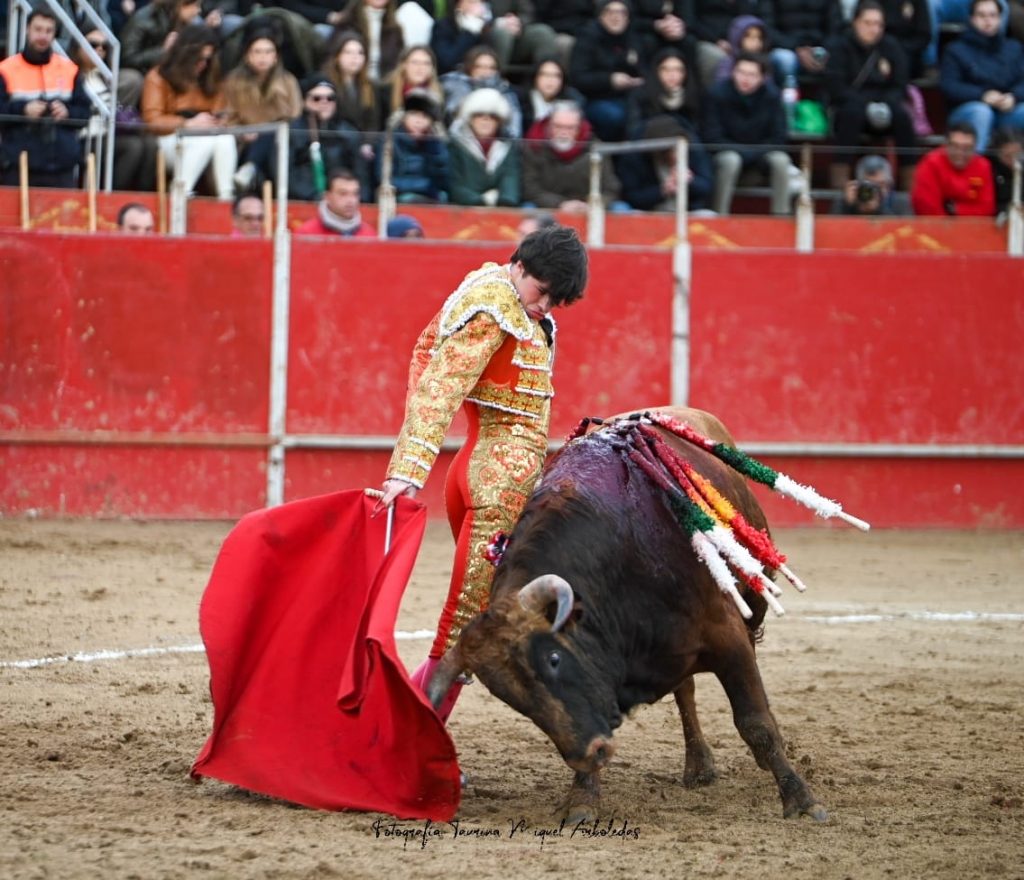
(481, 347)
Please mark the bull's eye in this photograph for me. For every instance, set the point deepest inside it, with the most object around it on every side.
(554, 659)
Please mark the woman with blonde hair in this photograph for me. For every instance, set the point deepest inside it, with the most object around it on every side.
(416, 69)
(260, 90)
(185, 92)
(346, 69)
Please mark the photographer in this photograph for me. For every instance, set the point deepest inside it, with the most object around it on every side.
(45, 89)
(870, 193)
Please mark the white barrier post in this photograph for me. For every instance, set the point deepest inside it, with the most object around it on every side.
(682, 269)
(595, 203)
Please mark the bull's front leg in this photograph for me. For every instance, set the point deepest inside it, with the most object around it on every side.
(699, 767)
(741, 679)
(583, 801)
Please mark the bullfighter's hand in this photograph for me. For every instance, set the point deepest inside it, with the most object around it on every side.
(392, 490)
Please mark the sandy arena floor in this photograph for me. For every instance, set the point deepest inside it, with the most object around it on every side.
(897, 679)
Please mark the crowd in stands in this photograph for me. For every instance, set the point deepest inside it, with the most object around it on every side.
(497, 104)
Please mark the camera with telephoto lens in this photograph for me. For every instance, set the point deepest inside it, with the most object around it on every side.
(867, 191)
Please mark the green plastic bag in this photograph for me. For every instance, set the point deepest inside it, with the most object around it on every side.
(809, 118)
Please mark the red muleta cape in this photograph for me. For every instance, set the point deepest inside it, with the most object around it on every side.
(311, 702)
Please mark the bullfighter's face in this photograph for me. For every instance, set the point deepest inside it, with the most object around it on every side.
(544, 676)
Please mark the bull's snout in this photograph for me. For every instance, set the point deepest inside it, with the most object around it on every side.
(597, 755)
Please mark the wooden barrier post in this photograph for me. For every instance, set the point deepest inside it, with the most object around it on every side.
(23, 189)
(161, 191)
(90, 184)
(268, 209)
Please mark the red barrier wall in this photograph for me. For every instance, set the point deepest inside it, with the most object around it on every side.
(66, 211)
(155, 356)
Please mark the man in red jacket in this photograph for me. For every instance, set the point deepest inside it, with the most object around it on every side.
(338, 213)
(953, 179)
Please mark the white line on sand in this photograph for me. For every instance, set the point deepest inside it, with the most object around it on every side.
(93, 656)
(926, 616)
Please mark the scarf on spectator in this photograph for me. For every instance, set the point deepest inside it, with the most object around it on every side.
(339, 224)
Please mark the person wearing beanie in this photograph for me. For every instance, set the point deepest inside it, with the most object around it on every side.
(484, 168)
(404, 226)
(321, 140)
(338, 213)
(419, 155)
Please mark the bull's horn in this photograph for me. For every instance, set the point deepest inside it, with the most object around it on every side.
(447, 670)
(541, 591)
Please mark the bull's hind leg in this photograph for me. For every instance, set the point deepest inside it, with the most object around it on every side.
(754, 720)
(699, 768)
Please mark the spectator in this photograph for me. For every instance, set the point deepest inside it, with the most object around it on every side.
(404, 226)
(533, 221)
(319, 140)
(459, 31)
(556, 166)
(711, 24)
(606, 66)
(376, 22)
(958, 12)
(346, 68)
(152, 29)
(667, 91)
(547, 84)
(135, 219)
(134, 148)
(184, 92)
(663, 24)
(45, 89)
(747, 33)
(338, 212)
(649, 181)
(799, 30)
(259, 90)
(516, 36)
(419, 171)
(953, 179)
(983, 75)
(866, 80)
(484, 168)
(480, 71)
(1006, 149)
(910, 23)
(870, 193)
(745, 120)
(566, 18)
(247, 216)
(416, 69)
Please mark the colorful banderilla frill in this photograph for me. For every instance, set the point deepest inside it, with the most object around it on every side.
(720, 535)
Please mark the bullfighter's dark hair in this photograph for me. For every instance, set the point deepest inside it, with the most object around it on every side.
(556, 257)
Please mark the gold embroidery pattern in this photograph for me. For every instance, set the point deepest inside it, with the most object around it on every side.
(503, 471)
(489, 289)
(443, 384)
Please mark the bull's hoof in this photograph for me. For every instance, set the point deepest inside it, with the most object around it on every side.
(698, 777)
(814, 811)
(574, 814)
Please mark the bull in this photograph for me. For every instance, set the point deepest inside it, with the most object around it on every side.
(599, 605)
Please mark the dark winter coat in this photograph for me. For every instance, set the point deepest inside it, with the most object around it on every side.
(709, 20)
(974, 64)
(886, 81)
(419, 167)
(909, 22)
(471, 174)
(641, 185)
(143, 35)
(339, 148)
(752, 125)
(565, 16)
(804, 22)
(451, 43)
(598, 54)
